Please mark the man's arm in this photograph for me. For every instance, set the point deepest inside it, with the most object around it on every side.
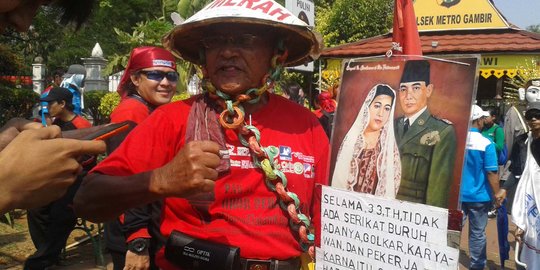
(441, 168)
(193, 170)
(499, 196)
(38, 167)
(499, 139)
(491, 166)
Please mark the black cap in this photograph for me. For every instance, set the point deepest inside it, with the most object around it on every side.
(415, 71)
(533, 106)
(57, 94)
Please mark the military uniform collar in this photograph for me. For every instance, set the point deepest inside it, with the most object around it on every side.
(417, 115)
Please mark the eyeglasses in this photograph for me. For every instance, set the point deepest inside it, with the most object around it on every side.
(158, 75)
(242, 41)
(530, 114)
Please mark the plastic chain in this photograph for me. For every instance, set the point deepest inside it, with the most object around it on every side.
(233, 117)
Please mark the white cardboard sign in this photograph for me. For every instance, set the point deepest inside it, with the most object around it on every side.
(362, 231)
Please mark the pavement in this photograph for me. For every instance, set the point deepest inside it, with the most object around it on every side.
(492, 247)
(85, 262)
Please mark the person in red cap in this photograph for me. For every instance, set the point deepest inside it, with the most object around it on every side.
(148, 82)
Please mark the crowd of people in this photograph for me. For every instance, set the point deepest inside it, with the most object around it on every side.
(205, 169)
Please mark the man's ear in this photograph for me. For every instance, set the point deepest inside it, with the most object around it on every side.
(134, 79)
(429, 89)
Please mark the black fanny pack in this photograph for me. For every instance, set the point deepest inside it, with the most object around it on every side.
(191, 253)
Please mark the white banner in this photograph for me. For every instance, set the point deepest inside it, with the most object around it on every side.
(362, 231)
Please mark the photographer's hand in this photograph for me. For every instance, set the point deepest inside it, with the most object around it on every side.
(38, 167)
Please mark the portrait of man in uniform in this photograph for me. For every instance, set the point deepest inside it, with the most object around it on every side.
(426, 143)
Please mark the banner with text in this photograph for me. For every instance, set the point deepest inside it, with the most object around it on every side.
(363, 231)
(438, 15)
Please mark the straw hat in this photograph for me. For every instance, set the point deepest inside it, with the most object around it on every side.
(303, 43)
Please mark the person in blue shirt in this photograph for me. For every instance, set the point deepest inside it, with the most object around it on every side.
(479, 186)
(74, 82)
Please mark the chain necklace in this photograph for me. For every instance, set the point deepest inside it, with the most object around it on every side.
(265, 158)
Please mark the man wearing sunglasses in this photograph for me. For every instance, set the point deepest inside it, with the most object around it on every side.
(238, 165)
(148, 82)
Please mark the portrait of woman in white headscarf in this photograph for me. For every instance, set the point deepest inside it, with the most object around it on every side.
(368, 158)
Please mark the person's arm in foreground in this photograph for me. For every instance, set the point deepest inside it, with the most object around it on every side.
(13, 127)
(193, 170)
(38, 167)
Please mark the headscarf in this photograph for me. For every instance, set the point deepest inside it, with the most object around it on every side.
(388, 161)
(144, 57)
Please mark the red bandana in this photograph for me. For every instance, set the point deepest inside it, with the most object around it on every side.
(145, 57)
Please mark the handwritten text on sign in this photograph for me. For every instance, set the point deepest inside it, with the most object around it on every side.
(362, 231)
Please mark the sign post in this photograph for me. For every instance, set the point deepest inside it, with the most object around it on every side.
(305, 11)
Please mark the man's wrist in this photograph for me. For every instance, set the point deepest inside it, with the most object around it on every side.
(139, 245)
(154, 183)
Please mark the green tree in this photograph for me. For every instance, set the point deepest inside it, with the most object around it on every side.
(344, 21)
(61, 48)
(534, 28)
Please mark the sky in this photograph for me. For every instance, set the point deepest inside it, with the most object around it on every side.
(519, 12)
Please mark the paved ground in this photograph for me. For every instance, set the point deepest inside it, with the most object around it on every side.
(81, 257)
(492, 247)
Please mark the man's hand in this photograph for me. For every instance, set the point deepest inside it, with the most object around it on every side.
(499, 197)
(13, 127)
(519, 235)
(193, 170)
(137, 261)
(38, 167)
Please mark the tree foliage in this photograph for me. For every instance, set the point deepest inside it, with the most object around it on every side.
(344, 21)
(534, 28)
(15, 102)
(62, 46)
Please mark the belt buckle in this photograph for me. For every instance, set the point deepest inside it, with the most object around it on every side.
(258, 264)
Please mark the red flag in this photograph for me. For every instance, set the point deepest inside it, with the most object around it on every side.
(405, 31)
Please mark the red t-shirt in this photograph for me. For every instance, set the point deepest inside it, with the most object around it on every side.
(245, 212)
(130, 109)
(80, 122)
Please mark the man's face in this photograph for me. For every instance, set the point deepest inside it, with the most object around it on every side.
(55, 107)
(237, 59)
(533, 119)
(489, 120)
(154, 86)
(482, 122)
(57, 79)
(532, 94)
(413, 96)
(18, 13)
